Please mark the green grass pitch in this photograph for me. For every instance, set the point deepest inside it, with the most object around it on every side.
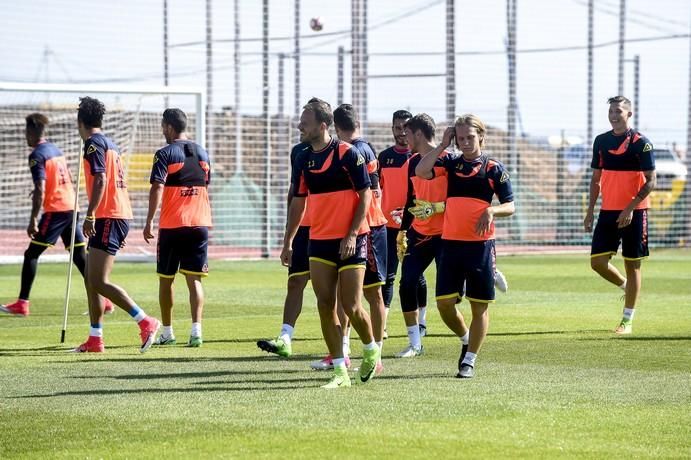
(552, 380)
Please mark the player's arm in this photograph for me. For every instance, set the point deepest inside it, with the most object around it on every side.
(505, 208)
(296, 210)
(37, 196)
(155, 196)
(592, 199)
(97, 191)
(626, 216)
(425, 168)
(347, 248)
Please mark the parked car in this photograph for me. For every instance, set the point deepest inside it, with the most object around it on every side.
(670, 169)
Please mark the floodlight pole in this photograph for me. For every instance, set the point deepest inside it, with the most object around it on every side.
(266, 221)
(589, 117)
(622, 37)
(450, 61)
(165, 49)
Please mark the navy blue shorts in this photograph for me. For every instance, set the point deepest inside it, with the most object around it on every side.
(422, 250)
(391, 256)
(472, 262)
(633, 237)
(300, 261)
(110, 235)
(183, 249)
(326, 252)
(375, 274)
(58, 224)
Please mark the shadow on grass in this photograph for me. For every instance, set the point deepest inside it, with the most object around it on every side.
(191, 359)
(662, 338)
(251, 385)
(191, 375)
(255, 340)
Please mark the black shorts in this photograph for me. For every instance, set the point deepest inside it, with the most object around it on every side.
(472, 262)
(300, 262)
(375, 275)
(58, 224)
(633, 237)
(422, 250)
(326, 252)
(182, 249)
(110, 235)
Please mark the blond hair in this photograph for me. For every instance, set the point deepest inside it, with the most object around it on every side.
(473, 121)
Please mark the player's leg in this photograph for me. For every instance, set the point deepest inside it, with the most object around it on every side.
(375, 277)
(478, 331)
(110, 235)
(634, 250)
(79, 253)
(391, 269)
(194, 286)
(324, 276)
(298, 276)
(193, 249)
(20, 307)
(49, 229)
(605, 244)
(350, 283)
(480, 292)
(417, 259)
(422, 304)
(451, 276)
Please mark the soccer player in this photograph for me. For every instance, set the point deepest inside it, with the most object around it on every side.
(624, 174)
(336, 178)
(468, 253)
(424, 235)
(106, 225)
(298, 276)
(54, 191)
(393, 177)
(347, 127)
(179, 184)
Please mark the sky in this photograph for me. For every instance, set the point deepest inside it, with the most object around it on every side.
(97, 41)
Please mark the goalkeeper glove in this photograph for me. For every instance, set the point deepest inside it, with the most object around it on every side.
(426, 209)
(401, 245)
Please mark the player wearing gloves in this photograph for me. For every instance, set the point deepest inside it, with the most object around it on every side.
(424, 221)
(467, 242)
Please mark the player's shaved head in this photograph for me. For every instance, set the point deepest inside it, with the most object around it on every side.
(91, 112)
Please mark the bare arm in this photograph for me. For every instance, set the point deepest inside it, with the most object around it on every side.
(97, 192)
(347, 248)
(626, 216)
(295, 212)
(37, 196)
(592, 199)
(501, 210)
(426, 165)
(155, 196)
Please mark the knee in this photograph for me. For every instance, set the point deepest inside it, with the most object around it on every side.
(598, 264)
(446, 306)
(297, 283)
(34, 251)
